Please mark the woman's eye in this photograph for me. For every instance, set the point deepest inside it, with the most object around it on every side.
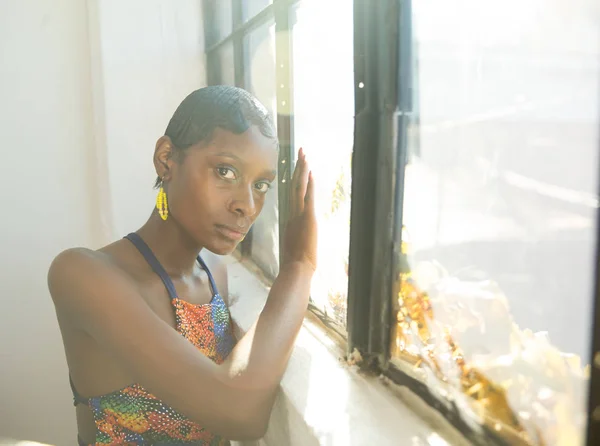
(226, 173)
(262, 187)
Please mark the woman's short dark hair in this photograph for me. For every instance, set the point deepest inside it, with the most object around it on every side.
(219, 106)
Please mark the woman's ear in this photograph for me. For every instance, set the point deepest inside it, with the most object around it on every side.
(163, 157)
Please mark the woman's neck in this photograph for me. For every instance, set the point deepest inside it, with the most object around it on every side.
(173, 247)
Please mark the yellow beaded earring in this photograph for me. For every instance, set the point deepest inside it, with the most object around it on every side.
(161, 203)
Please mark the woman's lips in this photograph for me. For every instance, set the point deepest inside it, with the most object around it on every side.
(230, 233)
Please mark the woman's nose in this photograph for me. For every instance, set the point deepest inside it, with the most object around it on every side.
(245, 204)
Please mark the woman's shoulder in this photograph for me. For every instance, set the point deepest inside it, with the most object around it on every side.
(79, 258)
(75, 270)
(83, 259)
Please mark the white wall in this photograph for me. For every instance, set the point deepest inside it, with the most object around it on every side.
(152, 53)
(86, 88)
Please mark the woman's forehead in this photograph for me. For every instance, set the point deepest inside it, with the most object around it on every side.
(253, 137)
(249, 147)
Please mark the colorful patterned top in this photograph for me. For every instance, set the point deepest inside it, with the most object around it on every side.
(132, 415)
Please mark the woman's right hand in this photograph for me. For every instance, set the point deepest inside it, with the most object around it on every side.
(300, 242)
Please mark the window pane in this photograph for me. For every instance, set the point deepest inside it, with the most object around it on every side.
(324, 126)
(250, 8)
(225, 61)
(219, 20)
(259, 69)
(494, 304)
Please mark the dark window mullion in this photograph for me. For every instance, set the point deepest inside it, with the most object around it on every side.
(362, 203)
(403, 121)
(238, 45)
(239, 65)
(593, 426)
(387, 29)
(212, 67)
(236, 14)
(285, 111)
(241, 28)
(373, 169)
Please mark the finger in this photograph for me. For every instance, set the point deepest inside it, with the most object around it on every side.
(299, 159)
(309, 197)
(291, 196)
(301, 185)
(294, 202)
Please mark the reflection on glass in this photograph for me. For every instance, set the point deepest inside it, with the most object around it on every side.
(252, 7)
(495, 299)
(226, 64)
(220, 24)
(259, 63)
(324, 125)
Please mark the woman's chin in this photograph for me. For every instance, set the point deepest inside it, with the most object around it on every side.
(222, 247)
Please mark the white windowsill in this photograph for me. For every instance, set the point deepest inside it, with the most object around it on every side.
(323, 401)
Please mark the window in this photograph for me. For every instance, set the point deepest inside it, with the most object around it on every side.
(219, 22)
(224, 63)
(290, 57)
(259, 63)
(241, 52)
(323, 67)
(251, 8)
(494, 297)
(456, 147)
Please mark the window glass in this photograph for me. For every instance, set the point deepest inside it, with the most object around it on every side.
(220, 22)
(495, 301)
(259, 69)
(250, 8)
(226, 64)
(323, 72)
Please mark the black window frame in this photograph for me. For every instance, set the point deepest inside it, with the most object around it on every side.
(277, 12)
(593, 407)
(384, 111)
(383, 89)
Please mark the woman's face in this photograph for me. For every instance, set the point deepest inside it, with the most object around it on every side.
(219, 189)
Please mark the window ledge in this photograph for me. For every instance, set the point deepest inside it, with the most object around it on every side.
(324, 401)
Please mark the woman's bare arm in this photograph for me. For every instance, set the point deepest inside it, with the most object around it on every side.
(233, 399)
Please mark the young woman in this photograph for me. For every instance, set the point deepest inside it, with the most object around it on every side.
(145, 325)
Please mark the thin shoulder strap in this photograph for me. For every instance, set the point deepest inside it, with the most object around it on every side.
(145, 250)
(213, 285)
(77, 398)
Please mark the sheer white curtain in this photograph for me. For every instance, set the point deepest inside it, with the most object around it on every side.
(86, 88)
